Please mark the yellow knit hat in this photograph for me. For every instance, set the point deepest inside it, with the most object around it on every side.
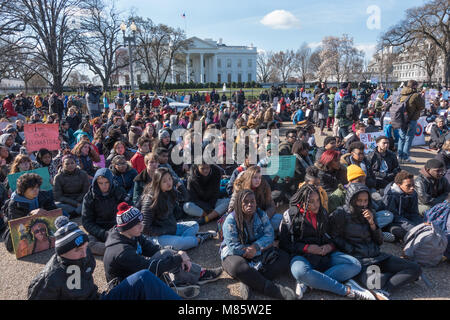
(354, 172)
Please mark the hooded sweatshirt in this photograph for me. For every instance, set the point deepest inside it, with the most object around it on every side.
(351, 232)
(99, 209)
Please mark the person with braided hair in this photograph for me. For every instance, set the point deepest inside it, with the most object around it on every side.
(315, 262)
(247, 251)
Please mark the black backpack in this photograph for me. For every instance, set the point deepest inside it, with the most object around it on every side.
(318, 103)
(399, 118)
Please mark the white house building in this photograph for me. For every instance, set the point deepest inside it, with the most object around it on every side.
(206, 61)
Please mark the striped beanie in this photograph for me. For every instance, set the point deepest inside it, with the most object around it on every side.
(68, 236)
(127, 217)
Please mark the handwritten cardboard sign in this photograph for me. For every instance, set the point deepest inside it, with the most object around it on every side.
(42, 172)
(42, 135)
(369, 140)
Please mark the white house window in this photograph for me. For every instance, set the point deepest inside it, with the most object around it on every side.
(219, 77)
(239, 77)
(249, 63)
(219, 63)
(239, 64)
(229, 77)
(249, 77)
(228, 63)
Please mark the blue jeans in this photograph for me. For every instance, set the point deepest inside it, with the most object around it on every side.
(184, 238)
(406, 139)
(342, 268)
(67, 208)
(142, 285)
(343, 132)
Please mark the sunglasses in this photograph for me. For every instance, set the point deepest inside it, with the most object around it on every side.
(41, 230)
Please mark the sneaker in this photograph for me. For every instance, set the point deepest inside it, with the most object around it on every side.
(210, 275)
(286, 293)
(357, 292)
(380, 294)
(245, 291)
(300, 290)
(187, 291)
(409, 160)
(203, 236)
(388, 237)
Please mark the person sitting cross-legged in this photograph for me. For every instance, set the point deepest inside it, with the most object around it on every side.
(128, 251)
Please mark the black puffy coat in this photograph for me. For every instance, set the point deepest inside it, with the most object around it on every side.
(330, 180)
(99, 211)
(124, 257)
(204, 191)
(51, 283)
(351, 232)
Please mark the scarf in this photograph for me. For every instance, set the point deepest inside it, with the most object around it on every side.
(32, 204)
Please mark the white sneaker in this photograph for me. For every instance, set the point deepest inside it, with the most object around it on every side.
(380, 294)
(300, 290)
(357, 292)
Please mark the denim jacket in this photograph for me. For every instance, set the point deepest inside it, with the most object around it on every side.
(262, 229)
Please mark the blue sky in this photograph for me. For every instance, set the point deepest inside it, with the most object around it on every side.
(241, 22)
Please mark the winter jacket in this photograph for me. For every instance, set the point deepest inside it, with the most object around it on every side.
(351, 232)
(8, 106)
(347, 160)
(415, 105)
(301, 164)
(124, 257)
(430, 190)
(163, 223)
(70, 187)
(262, 230)
(401, 204)
(74, 121)
(18, 207)
(125, 180)
(353, 138)
(51, 282)
(303, 231)
(331, 97)
(137, 162)
(384, 167)
(438, 137)
(204, 191)
(345, 111)
(99, 210)
(133, 135)
(140, 182)
(330, 180)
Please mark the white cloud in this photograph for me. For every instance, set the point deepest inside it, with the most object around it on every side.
(281, 19)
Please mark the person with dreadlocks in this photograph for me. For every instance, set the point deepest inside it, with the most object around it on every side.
(247, 251)
(315, 262)
(39, 231)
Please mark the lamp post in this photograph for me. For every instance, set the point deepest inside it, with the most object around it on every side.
(130, 40)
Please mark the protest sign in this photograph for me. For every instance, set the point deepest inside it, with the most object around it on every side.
(35, 233)
(42, 172)
(445, 95)
(284, 166)
(419, 138)
(42, 135)
(186, 99)
(369, 140)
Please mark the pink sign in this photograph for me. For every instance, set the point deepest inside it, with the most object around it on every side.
(41, 135)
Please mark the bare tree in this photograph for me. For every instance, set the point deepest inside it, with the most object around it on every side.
(283, 63)
(340, 59)
(303, 62)
(264, 68)
(158, 47)
(315, 61)
(426, 56)
(430, 22)
(47, 34)
(99, 43)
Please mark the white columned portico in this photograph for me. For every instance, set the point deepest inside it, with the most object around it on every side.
(214, 69)
(202, 70)
(187, 68)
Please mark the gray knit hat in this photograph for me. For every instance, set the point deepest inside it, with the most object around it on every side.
(68, 235)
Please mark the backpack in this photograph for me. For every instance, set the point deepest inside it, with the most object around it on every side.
(346, 110)
(425, 244)
(438, 215)
(318, 103)
(398, 113)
